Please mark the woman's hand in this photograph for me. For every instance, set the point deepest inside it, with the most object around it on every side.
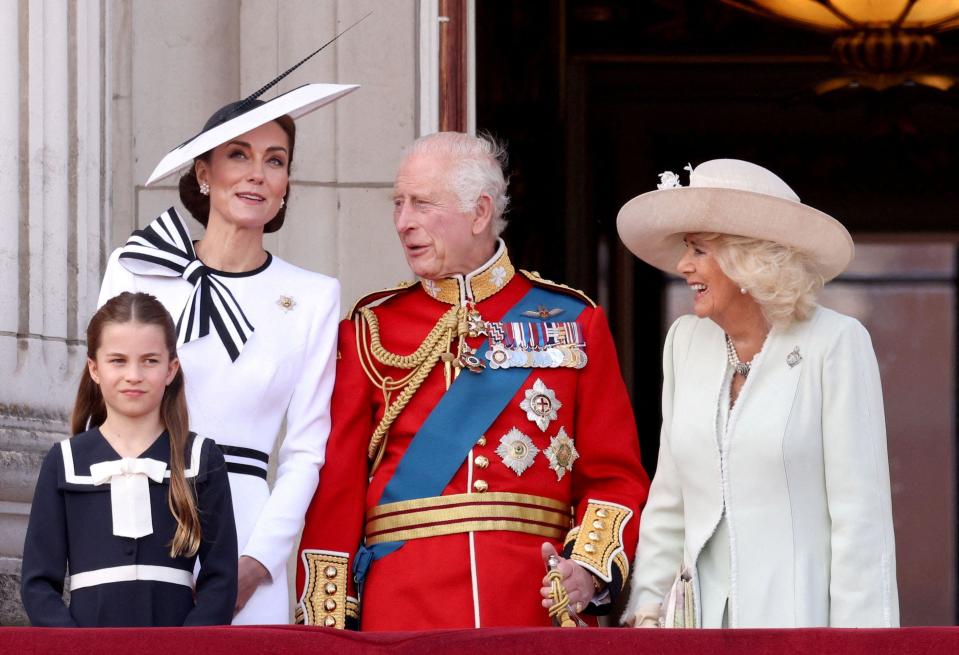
(577, 581)
(646, 616)
(251, 575)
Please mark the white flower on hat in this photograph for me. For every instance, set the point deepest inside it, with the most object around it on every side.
(668, 180)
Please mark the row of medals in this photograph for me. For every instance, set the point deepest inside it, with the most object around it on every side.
(569, 355)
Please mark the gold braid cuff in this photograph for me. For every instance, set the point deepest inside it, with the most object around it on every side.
(599, 539)
(324, 600)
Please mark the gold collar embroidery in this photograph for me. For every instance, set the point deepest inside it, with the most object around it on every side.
(476, 286)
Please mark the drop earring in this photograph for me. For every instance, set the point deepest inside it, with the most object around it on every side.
(282, 203)
(204, 188)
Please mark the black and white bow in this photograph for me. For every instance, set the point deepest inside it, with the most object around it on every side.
(164, 248)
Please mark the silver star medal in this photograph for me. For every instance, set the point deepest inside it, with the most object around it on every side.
(517, 451)
(540, 405)
(561, 453)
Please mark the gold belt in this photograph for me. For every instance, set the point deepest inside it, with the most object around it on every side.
(442, 515)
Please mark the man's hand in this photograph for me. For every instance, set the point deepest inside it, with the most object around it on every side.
(577, 581)
(251, 575)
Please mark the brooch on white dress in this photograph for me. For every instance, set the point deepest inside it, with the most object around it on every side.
(286, 303)
(794, 357)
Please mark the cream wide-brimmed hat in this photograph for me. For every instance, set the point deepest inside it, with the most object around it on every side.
(730, 196)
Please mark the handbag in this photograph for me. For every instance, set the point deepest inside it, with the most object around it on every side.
(679, 607)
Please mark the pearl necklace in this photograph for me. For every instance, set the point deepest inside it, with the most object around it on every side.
(741, 367)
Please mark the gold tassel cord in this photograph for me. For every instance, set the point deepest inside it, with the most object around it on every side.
(449, 320)
(559, 611)
(421, 361)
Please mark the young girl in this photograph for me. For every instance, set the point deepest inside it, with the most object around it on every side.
(130, 503)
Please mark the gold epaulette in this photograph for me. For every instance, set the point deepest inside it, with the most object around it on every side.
(535, 278)
(376, 296)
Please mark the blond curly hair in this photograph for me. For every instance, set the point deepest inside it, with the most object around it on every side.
(780, 278)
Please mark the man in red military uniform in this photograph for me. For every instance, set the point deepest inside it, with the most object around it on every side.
(480, 421)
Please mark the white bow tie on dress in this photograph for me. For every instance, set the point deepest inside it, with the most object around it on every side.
(129, 480)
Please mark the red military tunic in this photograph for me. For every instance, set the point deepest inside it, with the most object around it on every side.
(516, 488)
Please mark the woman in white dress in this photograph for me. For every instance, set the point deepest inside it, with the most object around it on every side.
(770, 506)
(257, 335)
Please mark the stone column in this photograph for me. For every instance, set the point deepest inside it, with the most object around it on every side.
(51, 112)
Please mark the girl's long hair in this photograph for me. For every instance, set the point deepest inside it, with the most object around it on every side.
(90, 411)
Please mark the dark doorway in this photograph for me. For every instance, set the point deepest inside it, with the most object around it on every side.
(594, 98)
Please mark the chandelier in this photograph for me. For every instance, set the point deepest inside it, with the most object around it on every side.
(884, 42)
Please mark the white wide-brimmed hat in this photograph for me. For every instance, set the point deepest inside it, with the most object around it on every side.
(730, 196)
(250, 113)
(234, 119)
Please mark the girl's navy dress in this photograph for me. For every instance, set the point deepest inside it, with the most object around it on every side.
(120, 581)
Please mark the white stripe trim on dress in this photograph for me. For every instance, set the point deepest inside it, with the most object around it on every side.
(69, 471)
(130, 573)
(248, 461)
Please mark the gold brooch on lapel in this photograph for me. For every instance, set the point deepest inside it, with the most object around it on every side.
(794, 357)
(286, 303)
(540, 405)
(561, 453)
(517, 451)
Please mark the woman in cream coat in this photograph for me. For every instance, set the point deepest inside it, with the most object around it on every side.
(771, 503)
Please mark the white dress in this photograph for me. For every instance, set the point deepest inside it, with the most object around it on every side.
(284, 373)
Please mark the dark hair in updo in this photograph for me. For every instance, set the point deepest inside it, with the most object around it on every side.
(198, 204)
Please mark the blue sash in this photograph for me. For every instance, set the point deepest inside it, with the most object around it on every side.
(464, 413)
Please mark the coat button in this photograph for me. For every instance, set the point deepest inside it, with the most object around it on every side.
(329, 605)
(330, 588)
(329, 622)
(481, 441)
(480, 486)
(330, 572)
(481, 461)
